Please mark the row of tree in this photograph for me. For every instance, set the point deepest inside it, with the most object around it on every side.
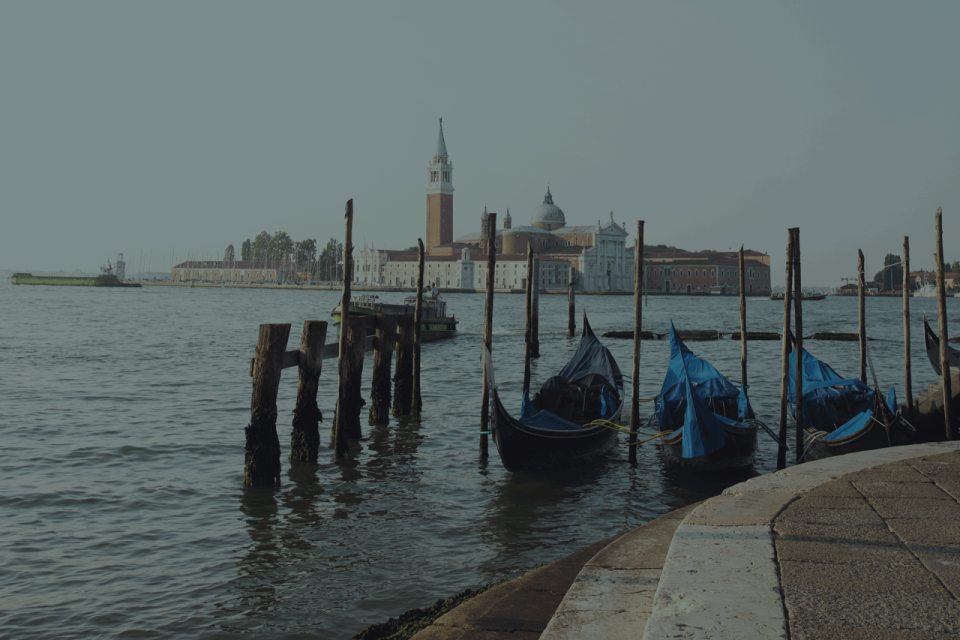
(892, 272)
(265, 247)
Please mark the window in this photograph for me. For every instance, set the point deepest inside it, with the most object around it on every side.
(688, 272)
(711, 272)
(697, 273)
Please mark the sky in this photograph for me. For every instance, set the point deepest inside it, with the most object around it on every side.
(159, 129)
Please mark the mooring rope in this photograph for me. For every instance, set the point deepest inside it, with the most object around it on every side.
(775, 437)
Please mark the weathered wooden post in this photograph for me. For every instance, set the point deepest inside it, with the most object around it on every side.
(488, 332)
(528, 326)
(305, 437)
(637, 332)
(798, 312)
(535, 310)
(908, 378)
(403, 378)
(349, 398)
(340, 426)
(261, 458)
(785, 355)
(945, 374)
(862, 314)
(743, 326)
(417, 401)
(571, 308)
(382, 359)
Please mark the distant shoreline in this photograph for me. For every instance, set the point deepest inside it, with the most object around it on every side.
(356, 288)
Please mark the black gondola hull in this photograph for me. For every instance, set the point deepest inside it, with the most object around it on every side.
(739, 450)
(525, 448)
(873, 436)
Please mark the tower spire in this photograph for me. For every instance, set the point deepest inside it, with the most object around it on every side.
(441, 145)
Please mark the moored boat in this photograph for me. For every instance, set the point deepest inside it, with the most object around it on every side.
(571, 421)
(435, 324)
(713, 425)
(843, 415)
(931, 345)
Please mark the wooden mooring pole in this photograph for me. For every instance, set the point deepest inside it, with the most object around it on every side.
(382, 359)
(417, 403)
(528, 327)
(908, 378)
(743, 326)
(945, 375)
(798, 311)
(340, 427)
(862, 316)
(785, 354)
(305, 437)
(403, 378)
(571, 308)
(488, 333)
(637, 332)
(535, 310)
(261, 458)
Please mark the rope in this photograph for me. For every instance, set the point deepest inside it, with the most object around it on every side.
(662, 433)
(775, 437)
(813, 437)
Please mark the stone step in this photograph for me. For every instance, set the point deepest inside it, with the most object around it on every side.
(612, 596)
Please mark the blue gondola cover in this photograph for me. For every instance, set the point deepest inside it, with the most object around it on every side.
(852, 426)
(690, 384)
(709, 383)
(824, 391)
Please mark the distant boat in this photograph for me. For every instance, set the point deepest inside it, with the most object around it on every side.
(434, 323)
(926, 291)
(105, 279)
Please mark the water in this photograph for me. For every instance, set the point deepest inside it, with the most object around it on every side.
(122, 511)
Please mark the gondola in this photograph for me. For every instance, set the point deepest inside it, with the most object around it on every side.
(843, 415)
(932, 345)
(713, 425)
(571, 421)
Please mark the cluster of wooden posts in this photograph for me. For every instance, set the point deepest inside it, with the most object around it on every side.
(400, 332)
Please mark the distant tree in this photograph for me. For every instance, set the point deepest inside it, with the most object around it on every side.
(305, 253)
(245, 250)
(328, 266)
(260, 249)
(892, 272)
(228, 255)
(280, 245)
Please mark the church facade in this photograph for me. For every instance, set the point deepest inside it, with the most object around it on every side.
(592, 257)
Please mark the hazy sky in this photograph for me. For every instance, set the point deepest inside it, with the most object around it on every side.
(191, 125)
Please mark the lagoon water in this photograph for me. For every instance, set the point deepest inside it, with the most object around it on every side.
(122, 510)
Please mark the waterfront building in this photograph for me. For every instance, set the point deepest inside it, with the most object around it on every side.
(678, 271)
(235, 271)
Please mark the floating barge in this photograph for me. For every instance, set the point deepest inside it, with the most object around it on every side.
(434, 322)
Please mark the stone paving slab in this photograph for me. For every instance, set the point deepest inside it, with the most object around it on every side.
(852, 575)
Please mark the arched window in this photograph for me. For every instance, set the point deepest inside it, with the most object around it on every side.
(711, 272)
(697, 272)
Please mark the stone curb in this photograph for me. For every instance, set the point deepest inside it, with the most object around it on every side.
(720, 578)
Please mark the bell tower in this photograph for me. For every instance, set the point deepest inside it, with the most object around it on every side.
(439, 196)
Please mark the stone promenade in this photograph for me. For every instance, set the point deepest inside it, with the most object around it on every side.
(859, 546)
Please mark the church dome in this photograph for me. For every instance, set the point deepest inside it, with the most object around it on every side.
(548, 213)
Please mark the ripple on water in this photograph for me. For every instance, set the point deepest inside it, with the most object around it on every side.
(122, 512)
